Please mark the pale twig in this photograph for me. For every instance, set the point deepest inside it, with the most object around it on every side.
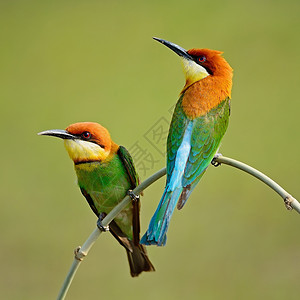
(289, 201)
(81, 252)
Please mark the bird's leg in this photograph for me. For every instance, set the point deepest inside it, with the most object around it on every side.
(133, 196)
(99, 223)
(214, 162)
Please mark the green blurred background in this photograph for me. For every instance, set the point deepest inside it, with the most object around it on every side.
(67, 61)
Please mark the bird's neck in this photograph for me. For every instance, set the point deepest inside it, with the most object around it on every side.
(105, 165)
(204, 95)
(85, 152)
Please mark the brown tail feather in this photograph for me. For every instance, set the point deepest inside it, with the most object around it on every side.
(136, 254)
(138, 260)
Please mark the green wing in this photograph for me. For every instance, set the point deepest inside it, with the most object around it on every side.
(177, 129)
(206, 136)
(206, 133)
(134, 179)
(129, 166)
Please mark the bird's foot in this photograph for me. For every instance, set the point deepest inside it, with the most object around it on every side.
(133, 196)
(214, 162)
(100, 225)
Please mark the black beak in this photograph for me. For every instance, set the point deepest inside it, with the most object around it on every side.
(63, 134)
(177, 49)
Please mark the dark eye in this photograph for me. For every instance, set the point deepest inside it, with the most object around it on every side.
(86, 135)
(201, 59)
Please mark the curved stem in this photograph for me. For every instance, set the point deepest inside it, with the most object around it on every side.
(290, 202)
(81, 252)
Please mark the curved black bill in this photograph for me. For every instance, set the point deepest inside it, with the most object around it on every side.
(177, 49)
(63, 134)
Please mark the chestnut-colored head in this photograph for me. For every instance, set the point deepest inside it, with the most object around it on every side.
(86, 142)
(200, 63)
(92, 142)
(91, 132)
(212, 61)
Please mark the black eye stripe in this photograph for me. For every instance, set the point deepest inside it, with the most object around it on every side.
(87, 136)
(207, 68)
(101, 146)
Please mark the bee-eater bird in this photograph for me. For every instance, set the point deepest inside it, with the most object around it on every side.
(106, 173)
(199, 122)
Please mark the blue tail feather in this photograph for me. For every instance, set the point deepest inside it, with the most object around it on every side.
(157, 230)
(156, 233)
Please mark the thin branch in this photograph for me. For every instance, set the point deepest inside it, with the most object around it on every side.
(290, 202)
(81, 252)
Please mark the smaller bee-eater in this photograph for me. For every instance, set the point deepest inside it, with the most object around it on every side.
(106, 173)
(199, 122)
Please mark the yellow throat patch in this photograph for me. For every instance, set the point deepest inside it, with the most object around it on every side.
(84, 151)
(193, 72)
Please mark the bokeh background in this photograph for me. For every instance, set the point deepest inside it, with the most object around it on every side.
(69, 61)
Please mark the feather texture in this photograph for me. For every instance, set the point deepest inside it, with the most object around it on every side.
(192, 145)
(104, 184)
(199, 122)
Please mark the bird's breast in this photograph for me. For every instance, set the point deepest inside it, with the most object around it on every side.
(203, 96)
(107, 184)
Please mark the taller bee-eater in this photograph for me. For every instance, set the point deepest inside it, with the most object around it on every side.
(199, 122)
(106, 173)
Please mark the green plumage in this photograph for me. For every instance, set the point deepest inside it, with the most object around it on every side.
(104, 184)
(106, 174)
(107, 184)
(207, 132)
(191, 146)
(199, 122)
